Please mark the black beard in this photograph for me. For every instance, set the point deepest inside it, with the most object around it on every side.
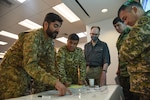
(52, 35)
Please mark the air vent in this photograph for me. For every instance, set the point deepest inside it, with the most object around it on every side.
(82, 8)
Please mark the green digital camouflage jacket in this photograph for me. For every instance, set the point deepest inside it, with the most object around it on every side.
(68, 63)
(31, 56)
(136, 51)
(122, 65)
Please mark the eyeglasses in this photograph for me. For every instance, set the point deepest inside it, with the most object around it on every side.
(94, 33)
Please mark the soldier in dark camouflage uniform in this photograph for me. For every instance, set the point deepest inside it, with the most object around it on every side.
(71, 62)
(136, 49)
(32, 56)
(122, 67)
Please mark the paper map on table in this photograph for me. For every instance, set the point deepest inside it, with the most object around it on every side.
(75, 86)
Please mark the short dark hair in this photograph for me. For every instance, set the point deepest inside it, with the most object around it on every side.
(129, 4)
(52, 17)
(73, 36)
(116, 20)
(96, 27)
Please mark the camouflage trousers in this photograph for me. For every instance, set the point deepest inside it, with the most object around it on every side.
(94, 73)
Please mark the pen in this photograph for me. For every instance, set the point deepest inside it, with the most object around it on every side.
(44, 96)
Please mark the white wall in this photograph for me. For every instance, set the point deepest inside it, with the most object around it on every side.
(109, 35)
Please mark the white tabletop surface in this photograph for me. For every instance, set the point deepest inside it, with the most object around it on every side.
(109, 92)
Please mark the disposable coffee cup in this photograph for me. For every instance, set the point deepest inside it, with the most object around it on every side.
(91, 82)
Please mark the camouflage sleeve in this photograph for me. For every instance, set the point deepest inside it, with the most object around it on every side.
(31, 59)
(82, 65)
(60, 61)
(137, 41)
(54, 69)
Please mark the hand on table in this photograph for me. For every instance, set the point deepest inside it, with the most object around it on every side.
(62, 89)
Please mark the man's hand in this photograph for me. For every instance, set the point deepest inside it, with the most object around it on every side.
(82, 82)
(62, 88)
(103, 78)
(67, 84)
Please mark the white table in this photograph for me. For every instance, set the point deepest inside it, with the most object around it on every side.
(109, 92)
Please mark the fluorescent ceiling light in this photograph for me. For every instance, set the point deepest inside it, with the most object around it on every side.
(3, 43)
(8, 34)
(62, 39)
(66, 12)
(82, 34)
(2, 55)
(21, 1)
(29, 24)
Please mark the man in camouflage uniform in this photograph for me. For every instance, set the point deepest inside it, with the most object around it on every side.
(32, 56)
(71, 62)
(136, 49)
(122, 72)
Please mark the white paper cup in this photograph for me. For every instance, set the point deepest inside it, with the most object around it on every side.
(91, 82)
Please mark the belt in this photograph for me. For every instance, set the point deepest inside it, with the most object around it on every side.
(93, 66)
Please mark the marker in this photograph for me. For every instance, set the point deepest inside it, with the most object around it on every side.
(44, 96)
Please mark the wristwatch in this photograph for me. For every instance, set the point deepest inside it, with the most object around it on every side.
(105, 71)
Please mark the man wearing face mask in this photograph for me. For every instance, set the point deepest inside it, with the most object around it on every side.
(97, 57)
(32, 56)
